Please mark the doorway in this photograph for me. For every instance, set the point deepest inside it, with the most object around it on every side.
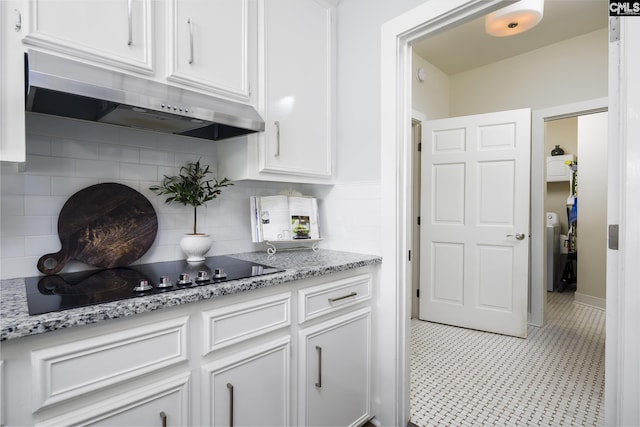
(397, 36)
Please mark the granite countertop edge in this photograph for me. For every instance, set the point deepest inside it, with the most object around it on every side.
(15, 321)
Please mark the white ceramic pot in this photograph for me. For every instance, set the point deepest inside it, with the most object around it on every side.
(195, 246)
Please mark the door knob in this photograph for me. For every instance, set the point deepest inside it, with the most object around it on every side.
(519, 236)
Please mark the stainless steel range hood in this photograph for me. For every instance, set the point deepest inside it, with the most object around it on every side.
(67, 88)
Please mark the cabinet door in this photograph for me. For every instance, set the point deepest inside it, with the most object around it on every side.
(298, 56)
(113, 32)
(335, 371)
(210, 45)
(164, 403)
(12, 118)
(249, 388)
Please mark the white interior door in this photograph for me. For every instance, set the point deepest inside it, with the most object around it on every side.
(474, 250)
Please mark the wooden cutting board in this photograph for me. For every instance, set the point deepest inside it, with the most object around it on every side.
(106, 225)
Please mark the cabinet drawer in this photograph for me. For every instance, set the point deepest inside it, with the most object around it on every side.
(239, 322)
(71, 370)
(328, 297)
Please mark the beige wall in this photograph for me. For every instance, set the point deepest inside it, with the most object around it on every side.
(592, 207)
(566, 72)
(564, 133)
(430, 97)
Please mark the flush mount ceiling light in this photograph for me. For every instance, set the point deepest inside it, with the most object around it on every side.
(514, 19)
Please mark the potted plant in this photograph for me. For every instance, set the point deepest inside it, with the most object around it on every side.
(193, 186)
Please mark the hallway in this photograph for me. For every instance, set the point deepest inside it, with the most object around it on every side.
(555, 377)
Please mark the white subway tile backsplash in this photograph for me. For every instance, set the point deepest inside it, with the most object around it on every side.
(50, 166)
(39, 145)
(37, 185)
(18, 267)
(43, 205)
(12, 205)
(119, 153)
(67, 186)
(41, 245)
(156, 157)
(208, 159)
(12, 246)
(166, 222)
(74, 149)
(66, 156)
(12, 225)
(97, 169)
(138, 172)
(128, 182)
(12, 183)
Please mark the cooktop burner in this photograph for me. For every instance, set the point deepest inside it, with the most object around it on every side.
(70, 290)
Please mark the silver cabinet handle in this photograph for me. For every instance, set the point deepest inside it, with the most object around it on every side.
(230, 387)
(130, 11)
(277, 123)
(163, 416)
(319, 350)
(519, 236)
(18, 25)
(352, 294)
(190, 23)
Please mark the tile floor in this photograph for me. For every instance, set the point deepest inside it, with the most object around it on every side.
(461, 377)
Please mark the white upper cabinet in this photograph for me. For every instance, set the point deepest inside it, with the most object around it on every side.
(557, 168)
(296, 97)
(298, 63)
(117, 33)
(207, 46)
(12, 120)
(211, 45)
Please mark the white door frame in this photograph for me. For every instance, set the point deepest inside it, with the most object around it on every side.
(622, 388)
(537, 288)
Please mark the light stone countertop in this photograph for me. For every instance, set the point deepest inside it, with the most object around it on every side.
(15, 321)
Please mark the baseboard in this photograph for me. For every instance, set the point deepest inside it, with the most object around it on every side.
(596, 302)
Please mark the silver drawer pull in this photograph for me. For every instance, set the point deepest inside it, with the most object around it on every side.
(319, 350)
(352, 294)
(18, 25)
(277, 124)
(190, 23)
(130, 23)
(230, 387)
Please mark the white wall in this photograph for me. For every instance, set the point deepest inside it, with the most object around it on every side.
(563, 73)
(358, 84)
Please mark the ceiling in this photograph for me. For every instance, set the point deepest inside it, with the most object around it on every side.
(467, 46)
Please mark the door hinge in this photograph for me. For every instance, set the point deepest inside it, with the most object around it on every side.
(614, 29)
(418, 219)
(418, 293)
(409, 255)
(614, 231)
(419, 146)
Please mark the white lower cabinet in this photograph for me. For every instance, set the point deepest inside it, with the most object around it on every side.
(293, 354)
(335, 363)
(250, 388)
(165, 403)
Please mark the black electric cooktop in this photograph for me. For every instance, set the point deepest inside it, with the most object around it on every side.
(70, 290)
